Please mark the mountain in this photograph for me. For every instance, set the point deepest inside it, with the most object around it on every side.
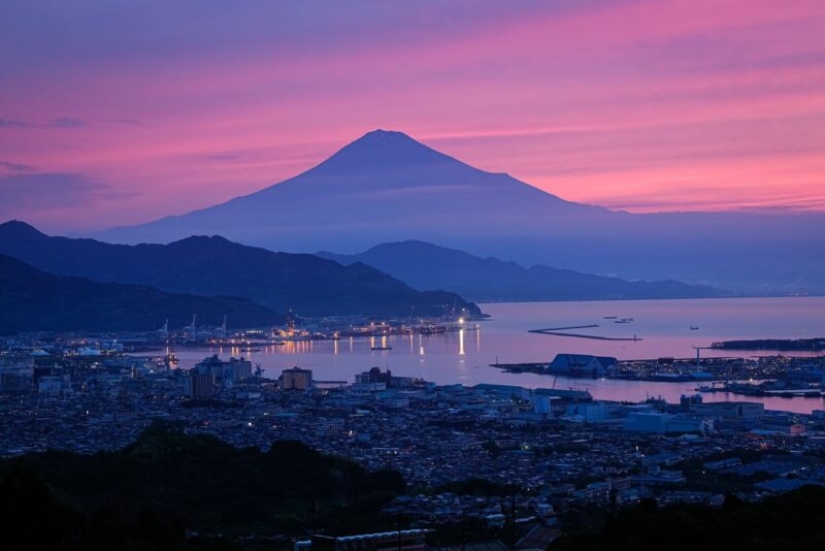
(209, 266)
(387, 187)
(381, 185)
(491, 279)
(32, 300)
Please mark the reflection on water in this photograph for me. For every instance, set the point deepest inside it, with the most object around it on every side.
(664, 327)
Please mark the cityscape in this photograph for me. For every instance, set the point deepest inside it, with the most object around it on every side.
(379, 276)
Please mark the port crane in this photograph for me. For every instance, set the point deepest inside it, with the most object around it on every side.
(191, 328)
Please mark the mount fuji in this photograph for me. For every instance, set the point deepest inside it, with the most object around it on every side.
(386, 186)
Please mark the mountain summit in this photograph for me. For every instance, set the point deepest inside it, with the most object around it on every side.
(383, 148)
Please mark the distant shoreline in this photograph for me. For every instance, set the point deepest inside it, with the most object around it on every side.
(780, 345)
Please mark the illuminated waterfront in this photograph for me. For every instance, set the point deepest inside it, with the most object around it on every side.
(663, 328)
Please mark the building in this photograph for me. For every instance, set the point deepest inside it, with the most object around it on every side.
(648, 421)
(226, 373)
(240, 368)
(296, 379)
(581, 365)
(589, 412)
(374, 375)
(752, 411)
(213, 364)
(200, 383)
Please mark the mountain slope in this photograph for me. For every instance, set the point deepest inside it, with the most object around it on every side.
(210, 266)
(32, 300)
(387, 187)
(491, 279)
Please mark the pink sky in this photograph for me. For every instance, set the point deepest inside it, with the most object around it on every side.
(118, 113)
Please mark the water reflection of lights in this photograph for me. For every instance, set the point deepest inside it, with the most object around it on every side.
(298, 347)
(461, 342)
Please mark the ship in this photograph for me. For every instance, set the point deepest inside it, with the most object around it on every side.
(381, 348)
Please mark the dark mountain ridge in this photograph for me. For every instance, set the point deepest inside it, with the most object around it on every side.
(210, 266)
(491, 279)
(32, 300)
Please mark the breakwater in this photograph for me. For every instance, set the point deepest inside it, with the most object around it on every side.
(564, 332)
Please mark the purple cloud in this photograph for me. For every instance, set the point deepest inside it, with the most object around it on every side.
(51, 190)
(60, 122)
(16, 167)
(65, 122)
(10, 123)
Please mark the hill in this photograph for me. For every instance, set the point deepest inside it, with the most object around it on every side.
(32, 300)
(491, 279)
(211, 266)
(147, 495)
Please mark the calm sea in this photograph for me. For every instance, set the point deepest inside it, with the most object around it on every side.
(662, 327)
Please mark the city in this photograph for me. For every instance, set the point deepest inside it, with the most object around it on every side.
(545, 451)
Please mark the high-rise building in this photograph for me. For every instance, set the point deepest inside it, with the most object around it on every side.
(200, 384)
(241, 368)
(226, 373)
(296, 379)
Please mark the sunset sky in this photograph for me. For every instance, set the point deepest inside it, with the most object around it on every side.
(115, 113)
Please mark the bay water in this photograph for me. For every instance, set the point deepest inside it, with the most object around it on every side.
(661, 328)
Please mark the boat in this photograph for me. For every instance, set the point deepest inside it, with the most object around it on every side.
(610, 317)
(381, 348)
(694, 327)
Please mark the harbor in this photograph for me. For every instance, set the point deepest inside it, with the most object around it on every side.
(663, 364)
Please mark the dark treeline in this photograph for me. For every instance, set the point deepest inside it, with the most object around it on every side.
(148, 495)
(792, 521)
(782, 345)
